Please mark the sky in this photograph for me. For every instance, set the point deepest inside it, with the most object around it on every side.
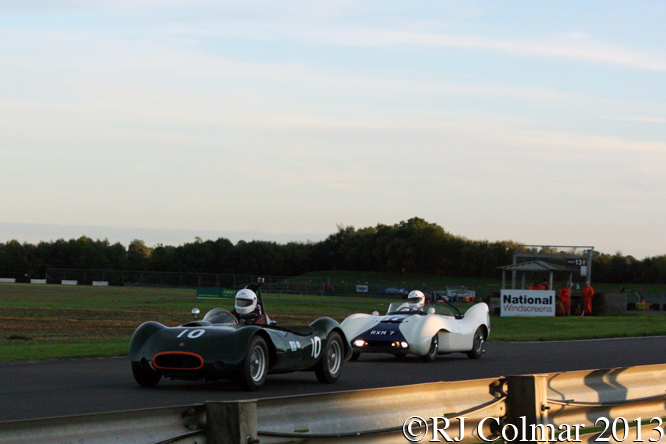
(538, 122)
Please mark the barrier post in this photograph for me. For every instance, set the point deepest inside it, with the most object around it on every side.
(527, 407)
(231, 422)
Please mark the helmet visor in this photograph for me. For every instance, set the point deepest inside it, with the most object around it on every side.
(244, 302)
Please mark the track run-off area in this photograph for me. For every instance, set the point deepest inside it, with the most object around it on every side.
(32, 390)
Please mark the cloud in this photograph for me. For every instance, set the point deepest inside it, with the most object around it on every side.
(308, 27)
(642, 119)
(341, 23)
(573, 46)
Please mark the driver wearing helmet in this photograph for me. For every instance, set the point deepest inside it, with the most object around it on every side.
(246, 308)
(416, 300)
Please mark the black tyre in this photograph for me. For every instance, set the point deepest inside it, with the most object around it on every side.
(432, 351)
(355, 356)
(144, 375)
(478, 344)
(329, 367)
(253, 371)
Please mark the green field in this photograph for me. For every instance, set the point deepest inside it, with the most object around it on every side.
(56, 321)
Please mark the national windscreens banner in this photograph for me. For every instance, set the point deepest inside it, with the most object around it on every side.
(527, 303)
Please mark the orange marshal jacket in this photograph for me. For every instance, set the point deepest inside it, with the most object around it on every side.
(565, 293)
(587, 292)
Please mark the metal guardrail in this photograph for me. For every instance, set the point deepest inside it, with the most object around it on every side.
(362, 415)
(160, 425)
(620, 392)
(378, 415)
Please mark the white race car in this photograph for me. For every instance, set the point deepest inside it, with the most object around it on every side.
(412, 327)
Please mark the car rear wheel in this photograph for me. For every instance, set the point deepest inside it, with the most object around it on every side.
(254, 369)
(479, 342)
(432, 351)
(329, 367)
(144, 375)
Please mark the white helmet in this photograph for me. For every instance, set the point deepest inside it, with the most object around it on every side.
(416, 300)
(246, 301)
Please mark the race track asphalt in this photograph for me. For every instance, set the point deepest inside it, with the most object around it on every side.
(80, 386)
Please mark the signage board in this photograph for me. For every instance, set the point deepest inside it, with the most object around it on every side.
(394, 290)
(577, 262)
(361, 289)
(216, 293)
(527, 303)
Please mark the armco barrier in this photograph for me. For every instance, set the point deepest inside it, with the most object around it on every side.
(583, 396)
(377, 415)
(129, 427)
(365, 414)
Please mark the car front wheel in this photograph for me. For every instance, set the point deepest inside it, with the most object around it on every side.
(145, 375)
(479, 342)
(432, 351)
(329, 368)
(254, 369)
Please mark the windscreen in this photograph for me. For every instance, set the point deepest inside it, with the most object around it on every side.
(220, 316)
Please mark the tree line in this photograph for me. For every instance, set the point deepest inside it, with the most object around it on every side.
(414, 247)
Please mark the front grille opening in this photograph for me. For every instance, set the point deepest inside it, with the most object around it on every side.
(177, 361)
(379, 344)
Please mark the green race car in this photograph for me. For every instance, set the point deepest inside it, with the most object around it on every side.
(221, 347)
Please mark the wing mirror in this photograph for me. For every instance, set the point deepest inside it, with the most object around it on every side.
(431, 311)
(195, 313)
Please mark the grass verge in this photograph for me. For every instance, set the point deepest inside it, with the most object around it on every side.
(41, 351)
(54, 321)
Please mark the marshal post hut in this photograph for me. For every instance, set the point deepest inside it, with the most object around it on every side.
(525, 302)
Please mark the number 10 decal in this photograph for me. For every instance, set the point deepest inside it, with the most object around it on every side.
(316, 346)
(192, 334)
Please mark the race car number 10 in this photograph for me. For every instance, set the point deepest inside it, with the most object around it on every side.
(192, 334)
(316, 346)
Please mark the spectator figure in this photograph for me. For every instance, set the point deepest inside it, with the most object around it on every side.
(564, 299)
(543, 285)
(586, 295)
